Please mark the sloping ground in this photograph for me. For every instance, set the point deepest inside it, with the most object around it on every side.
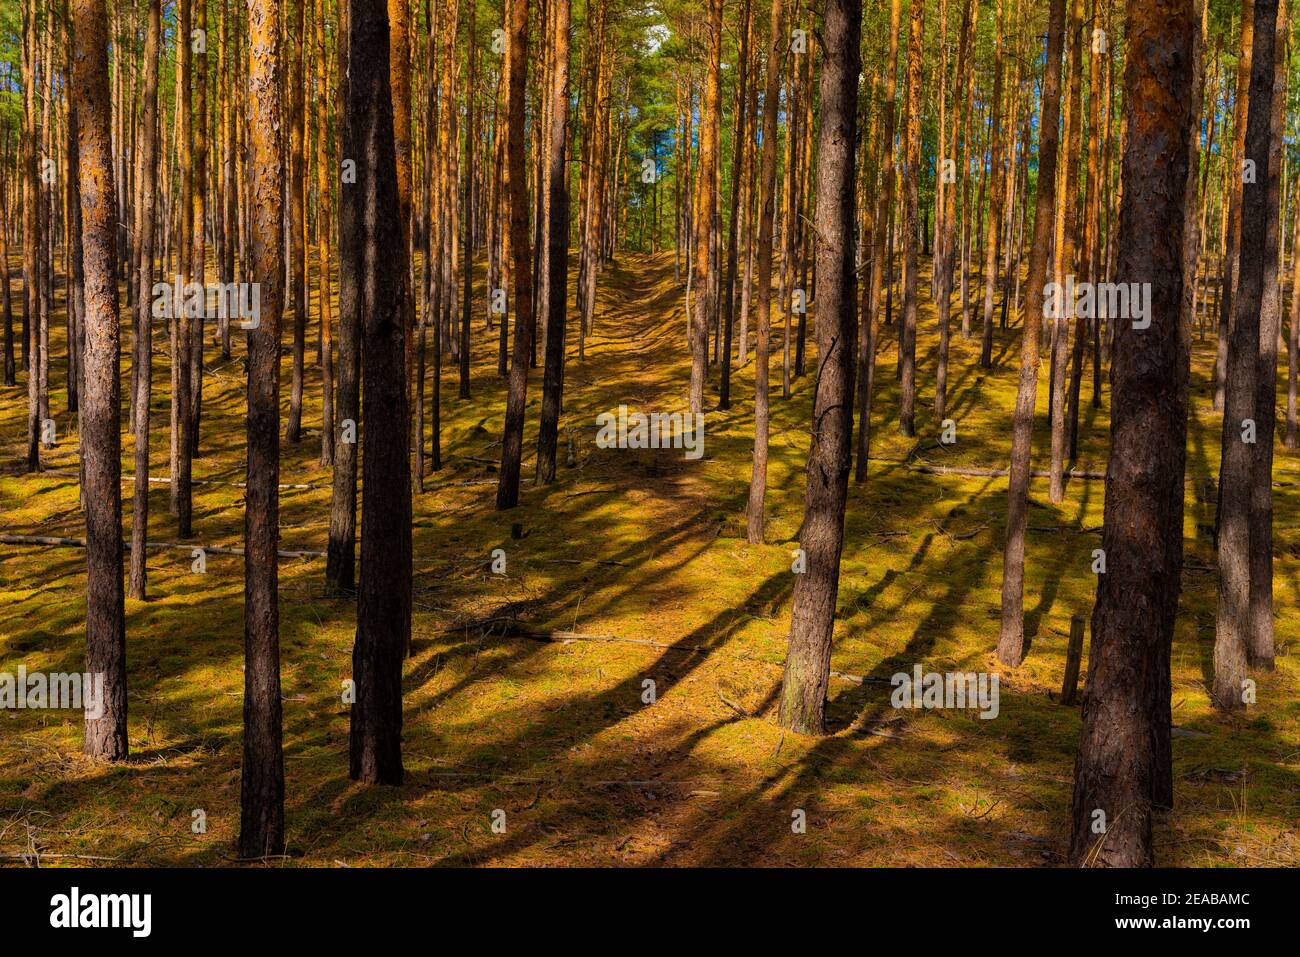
(642, 552)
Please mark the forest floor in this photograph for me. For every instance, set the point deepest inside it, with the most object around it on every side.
(643, 552)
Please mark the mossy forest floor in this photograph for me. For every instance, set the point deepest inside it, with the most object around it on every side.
(645, 547)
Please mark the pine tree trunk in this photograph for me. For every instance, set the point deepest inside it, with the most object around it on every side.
(147, 179)
(521, 253)
(758, 478)
(1259, 645)
(557, 248)
(1124, 746)
(379, 254)
(1011, 640)
(101, 438)
(733, 235)
(705, 188)
(879, 261)
(261, 822)
(340, 563)
(1235, 621)
(807, 666)
(911, 187)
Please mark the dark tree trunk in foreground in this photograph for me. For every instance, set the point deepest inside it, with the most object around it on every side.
(808, 661)
(521, 274)
(558, 255)
(758, 477)
(1124, 750)
(261, 823)
(1234, 626)
(101, 438)
(340, 561)
(379, 261)
(1011, 642)
(146, 178)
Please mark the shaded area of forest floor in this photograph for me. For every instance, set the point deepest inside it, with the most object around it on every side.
(646, 547)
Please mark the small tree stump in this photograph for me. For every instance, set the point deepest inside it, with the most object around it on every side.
(1073, 658)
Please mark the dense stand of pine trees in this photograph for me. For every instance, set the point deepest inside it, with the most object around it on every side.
(1012, 143)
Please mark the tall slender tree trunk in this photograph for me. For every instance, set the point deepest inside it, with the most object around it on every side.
(297, 222)
(1232, 223)
(468, 250)
(880, 264)
(911, 188)
(323, 197)
(1259, 645)
(147, 179)
(379, 260)
(198, 219)
(261, 820)
(808, 660)
(1065, 249)
(705, 190)
(1240, 466)
(756, 518)
(947, 216)
(1011, 640)
(32, 232)
(521, 253)
(101, 437)
(733, 235)
(181, 444)
(340, 563)
(997, 177)
(557, 247)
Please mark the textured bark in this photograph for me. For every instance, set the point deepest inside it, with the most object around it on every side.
(808, 661)
(1259, 644)
(384, 596)
(557, 248)
(1124, 746)
(521, 253)
(1293, 342)
(1232, 227)
(733, 228)
(911, 187)
(101, 439)
(32, 231)
(997, 192)
(261, 822)
(10, 371)
(147, 179)
(323, 196)
(297, 222)
(706, 185)
(946, 221)
(1237, 470)
(879, 263)
(1011, 640)
(758, 477)
(468, 243)
(198, 272)
(1066, 247)
(180, 333)
(340, 563)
